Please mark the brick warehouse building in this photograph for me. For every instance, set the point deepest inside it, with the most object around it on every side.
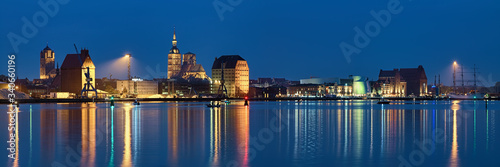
(73, 72)
(403, 82)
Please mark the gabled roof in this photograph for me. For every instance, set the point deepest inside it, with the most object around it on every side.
(72, 61)
(413, 73)
(229, 60)
(406, 74)
(77, 60)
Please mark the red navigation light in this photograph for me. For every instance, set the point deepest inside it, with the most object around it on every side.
(246, 97)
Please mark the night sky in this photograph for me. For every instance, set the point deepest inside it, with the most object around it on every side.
(287, 38)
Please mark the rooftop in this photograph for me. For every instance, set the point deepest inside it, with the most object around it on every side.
(229, 60)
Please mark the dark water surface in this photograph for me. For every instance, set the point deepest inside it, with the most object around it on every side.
(311, 133)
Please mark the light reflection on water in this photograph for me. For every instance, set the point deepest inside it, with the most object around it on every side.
(345, 133)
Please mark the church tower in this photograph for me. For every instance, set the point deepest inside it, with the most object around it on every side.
(47, 63)
(189, 58)
(174, 60)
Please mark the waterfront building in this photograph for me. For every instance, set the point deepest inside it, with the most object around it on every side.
(73, 72)
(106, 84)
(306, 90)
(59, 95)
(391, 83)
(255, 92)
(275, 91)
(184, 88)
(47, 63)
(403, 82)
(37, 91)
(360, 86)
(269, 82)
(341, 87)
(320, 81)
(236, 75)
(416, 80)
(344, 89)
(137, 87)
(268, 92)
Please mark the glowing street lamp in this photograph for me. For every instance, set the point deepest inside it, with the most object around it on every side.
(129, 57)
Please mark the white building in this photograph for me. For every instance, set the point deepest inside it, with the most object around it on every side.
(137, 87)
(319, 80)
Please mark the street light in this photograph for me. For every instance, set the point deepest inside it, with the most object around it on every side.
(129, 57)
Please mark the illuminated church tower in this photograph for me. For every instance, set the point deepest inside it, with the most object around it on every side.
(47, 63)
(174, 60)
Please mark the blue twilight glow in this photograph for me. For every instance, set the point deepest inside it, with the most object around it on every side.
(304, 36)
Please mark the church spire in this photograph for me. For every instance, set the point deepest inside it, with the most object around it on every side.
(174, 41)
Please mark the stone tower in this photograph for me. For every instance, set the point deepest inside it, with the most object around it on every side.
(47, 63)
(189, 58)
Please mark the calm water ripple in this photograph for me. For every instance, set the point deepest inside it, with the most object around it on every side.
(311, 133)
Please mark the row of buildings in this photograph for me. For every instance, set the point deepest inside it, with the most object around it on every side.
(404, 82)
(185, 78)
(230, 77)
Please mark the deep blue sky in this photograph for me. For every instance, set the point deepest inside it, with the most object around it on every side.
(292, 39)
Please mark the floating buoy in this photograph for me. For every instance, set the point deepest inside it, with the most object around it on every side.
(112, 101)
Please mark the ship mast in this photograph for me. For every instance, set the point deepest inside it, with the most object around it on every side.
(454, 78)
(463, 86)
(475, 81)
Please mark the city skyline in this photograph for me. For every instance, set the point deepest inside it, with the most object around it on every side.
(284, 41)
(250, 83)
